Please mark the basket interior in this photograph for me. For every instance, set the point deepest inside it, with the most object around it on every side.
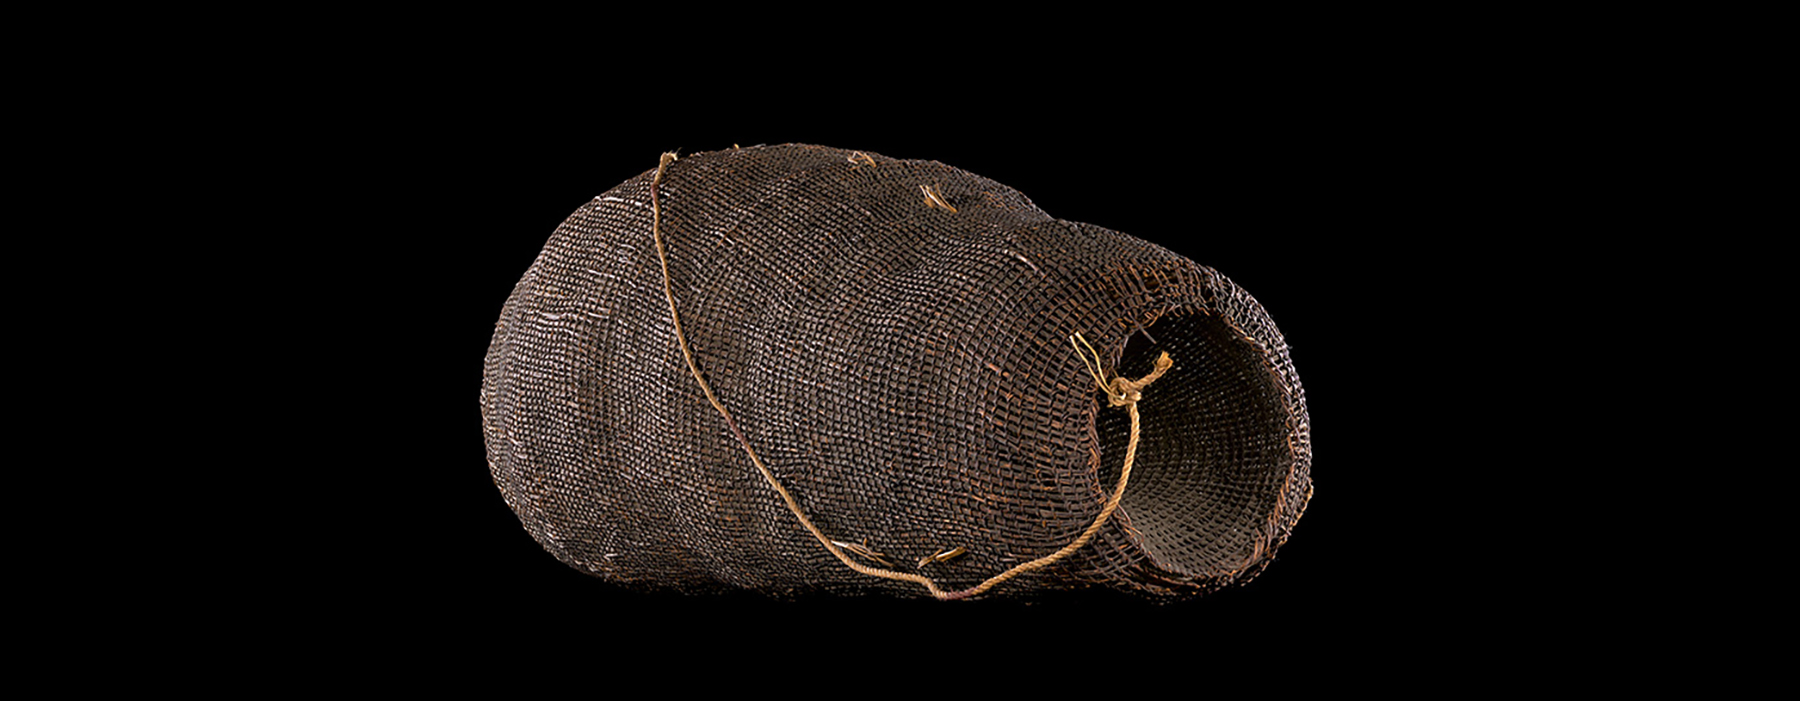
(1212, 454)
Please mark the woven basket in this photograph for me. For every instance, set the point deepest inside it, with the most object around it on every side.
(900, 344)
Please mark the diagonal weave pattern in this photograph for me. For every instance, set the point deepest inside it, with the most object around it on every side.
(892, 337)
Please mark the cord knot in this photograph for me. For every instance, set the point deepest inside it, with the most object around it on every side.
(1119, 397)
(1124, 392)
(1119, 392)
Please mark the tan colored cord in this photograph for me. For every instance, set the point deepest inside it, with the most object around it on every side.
(1121, 392)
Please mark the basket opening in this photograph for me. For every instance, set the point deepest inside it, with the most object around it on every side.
(1212, 450)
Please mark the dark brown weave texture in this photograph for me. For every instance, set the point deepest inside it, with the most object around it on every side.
(905, 370)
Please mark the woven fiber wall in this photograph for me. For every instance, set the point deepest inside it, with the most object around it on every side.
(893, 340)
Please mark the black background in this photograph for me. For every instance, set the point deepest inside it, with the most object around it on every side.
(1462, 226)
(1338, 211)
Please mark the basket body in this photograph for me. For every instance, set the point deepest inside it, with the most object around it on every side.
(903, 367)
